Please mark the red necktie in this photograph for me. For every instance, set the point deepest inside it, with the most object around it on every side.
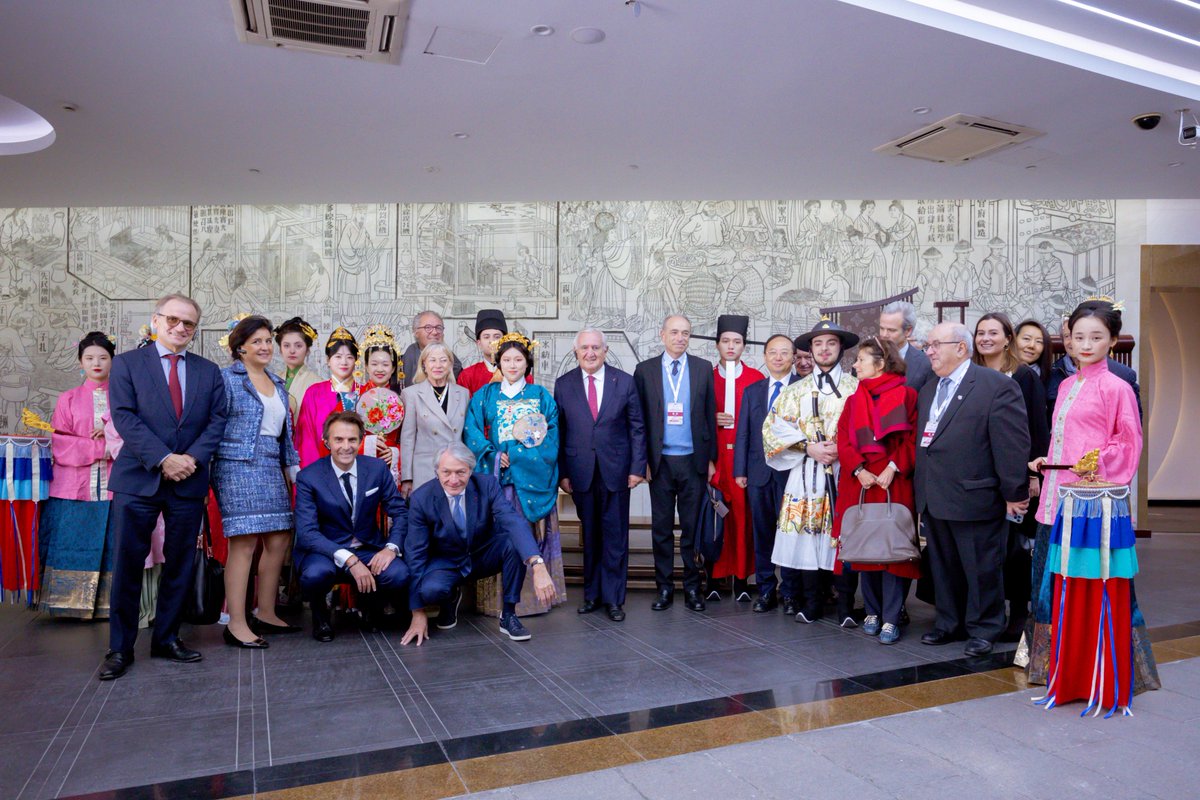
(174, 386)
(593, 403)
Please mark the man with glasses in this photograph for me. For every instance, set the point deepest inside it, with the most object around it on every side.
(168, 405)
(428, 327)
(972, 448)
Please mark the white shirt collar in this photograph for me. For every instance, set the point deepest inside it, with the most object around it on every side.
(737, 372)
(512, 389)
(338, 472)
(666, 360)
(904, 350)
(835, 375)
(598, 375)
(959, 371)
(163, 351)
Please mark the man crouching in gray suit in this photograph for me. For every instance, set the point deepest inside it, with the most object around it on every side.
(972, 430)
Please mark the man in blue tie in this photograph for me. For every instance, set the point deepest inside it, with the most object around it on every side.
(337, 524)
(461, 528)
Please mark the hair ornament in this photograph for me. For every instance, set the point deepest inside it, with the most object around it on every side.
(340, 334)
(305, 328)
(233, 323)
(521, 339)
(377, 336)
(1117, 305)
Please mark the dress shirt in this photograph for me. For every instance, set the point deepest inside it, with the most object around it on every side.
(341, 555)
(955, 379)
(166, 367)
(904, 350)
(599, 376)
(677, 439)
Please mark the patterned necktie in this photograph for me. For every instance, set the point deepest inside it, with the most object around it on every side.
(349, 493)
(593, 401)
(674, 369)
(174, 386)
(460, 517)
(943, 390)
(774, 394)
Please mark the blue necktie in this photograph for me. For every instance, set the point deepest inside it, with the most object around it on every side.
(943, 388)
(460, 517)
(674, 369)
(774, 394)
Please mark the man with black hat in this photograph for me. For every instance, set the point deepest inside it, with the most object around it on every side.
(798, 438)
(490, 325)
(730, 379)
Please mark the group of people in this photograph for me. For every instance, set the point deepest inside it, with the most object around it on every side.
(464, 494)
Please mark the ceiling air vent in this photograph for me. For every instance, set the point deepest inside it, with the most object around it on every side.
(371, 30)
(958, 139)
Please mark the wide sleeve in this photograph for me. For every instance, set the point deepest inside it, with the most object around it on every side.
(475, 430)
(308, 433)
(1008, 432)
(710, 413)
(783, 428)
(1122, 449)
(69, 443)
(408, 434)
(550, 445)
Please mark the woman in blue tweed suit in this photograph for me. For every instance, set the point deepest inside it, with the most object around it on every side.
(255, 462)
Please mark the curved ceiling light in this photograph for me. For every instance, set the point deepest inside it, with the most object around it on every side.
(22, 130)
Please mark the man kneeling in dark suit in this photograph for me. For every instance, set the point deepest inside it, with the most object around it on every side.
(461, 528)
(337, 530)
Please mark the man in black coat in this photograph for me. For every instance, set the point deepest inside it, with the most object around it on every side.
(972, 448)
(896, 323)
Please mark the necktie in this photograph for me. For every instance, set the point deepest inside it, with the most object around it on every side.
(593, 402)
(174, 386)
(674, 369)
(349, 493)
(943, 390)
(774, 394)
(460, 516)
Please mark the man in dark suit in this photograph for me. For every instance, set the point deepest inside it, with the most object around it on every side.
(679, 406)
(896, 323)
(972, 450)
(601, 457)
(764, 486)
(462, 528)
(337, 529)
(168, 405)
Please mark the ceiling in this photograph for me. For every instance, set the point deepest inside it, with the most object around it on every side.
(708, 98)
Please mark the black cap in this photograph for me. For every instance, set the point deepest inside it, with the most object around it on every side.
(733, 323)
(490, 319)
(848, 339)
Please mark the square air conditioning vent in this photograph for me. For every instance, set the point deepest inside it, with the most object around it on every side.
(958, 139)
(371, 30)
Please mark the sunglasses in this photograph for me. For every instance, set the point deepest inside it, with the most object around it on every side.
(188, 325)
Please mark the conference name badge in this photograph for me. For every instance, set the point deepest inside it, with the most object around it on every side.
(674, 413)
(928, 433)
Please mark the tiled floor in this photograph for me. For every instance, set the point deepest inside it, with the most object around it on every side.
(249, 715)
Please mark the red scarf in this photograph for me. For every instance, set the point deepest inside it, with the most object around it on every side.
(878, 409)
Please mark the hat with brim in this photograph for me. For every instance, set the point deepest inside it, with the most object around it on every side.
(848, 339)
(490, 319)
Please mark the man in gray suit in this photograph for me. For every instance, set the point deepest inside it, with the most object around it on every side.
(972, 446)
(896, 323)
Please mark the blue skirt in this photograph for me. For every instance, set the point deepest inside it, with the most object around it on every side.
(253, 495)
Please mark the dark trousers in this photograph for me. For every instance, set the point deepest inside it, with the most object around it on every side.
(883, 594)
(497, 556)
(967, 562)
(765, 502)
(133, 520)
(604, 520)
(675, 484)
(318, 574)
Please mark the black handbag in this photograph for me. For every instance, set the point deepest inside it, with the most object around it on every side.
(878, 533)
(710, 526)
(206, 595)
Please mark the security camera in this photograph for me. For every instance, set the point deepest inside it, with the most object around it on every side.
(1147, 122)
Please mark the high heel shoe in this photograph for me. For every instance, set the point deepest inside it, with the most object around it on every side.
(233, 641)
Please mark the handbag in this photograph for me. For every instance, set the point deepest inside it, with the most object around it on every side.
(206, 595)
(710, 526)
(878, 533)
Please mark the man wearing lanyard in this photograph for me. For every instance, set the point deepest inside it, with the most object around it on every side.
(680, 411)
(972, 428)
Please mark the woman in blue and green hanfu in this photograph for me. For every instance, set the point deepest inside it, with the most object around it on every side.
(512, 427)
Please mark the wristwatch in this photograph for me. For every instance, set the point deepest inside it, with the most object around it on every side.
(536, 560)
(857, 470)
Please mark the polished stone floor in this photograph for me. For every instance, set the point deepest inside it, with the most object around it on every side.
(302, 712)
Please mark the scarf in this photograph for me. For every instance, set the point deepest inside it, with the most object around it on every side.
(878, 409)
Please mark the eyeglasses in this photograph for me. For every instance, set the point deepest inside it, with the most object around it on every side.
(936, 345)
(188, 325)
(431, 328)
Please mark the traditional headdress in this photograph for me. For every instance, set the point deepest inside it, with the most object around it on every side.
(377, 337)
(826, 325)
(305, 328)
(224, 340)
(1103, 298)
(339, 334)
(490, 319)
(515, 336)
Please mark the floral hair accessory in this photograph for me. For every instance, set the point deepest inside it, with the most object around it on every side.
(524, 341)
(1103, 298)
(378, 336)
(224, 340)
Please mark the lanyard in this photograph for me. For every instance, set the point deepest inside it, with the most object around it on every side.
(675, 384)
(936, 411)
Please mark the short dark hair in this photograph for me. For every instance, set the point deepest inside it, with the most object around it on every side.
(95, 339)
(887, 352)
(511, 345)
(349, 417)
(1101, 310)
(242, 332)
(775, 336)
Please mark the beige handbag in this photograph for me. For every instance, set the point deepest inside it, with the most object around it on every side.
(878, 533)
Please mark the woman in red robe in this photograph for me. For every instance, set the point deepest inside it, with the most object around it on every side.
(876, 440)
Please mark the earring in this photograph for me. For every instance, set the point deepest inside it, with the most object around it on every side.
(81, 372)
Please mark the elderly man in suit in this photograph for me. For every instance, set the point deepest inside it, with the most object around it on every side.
(679, 406)
(764, 486)
(461, 528)
(427, 327)
(896, 323)
(168, 405)
(337, 530)
(601, 457)
(972, 447)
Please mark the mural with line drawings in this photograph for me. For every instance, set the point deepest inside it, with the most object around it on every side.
(553, 268)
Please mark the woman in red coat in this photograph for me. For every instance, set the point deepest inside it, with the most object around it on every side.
(876, 440)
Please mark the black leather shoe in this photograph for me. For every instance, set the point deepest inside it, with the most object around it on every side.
(616, 613)
(115, 664)
(764, 603)
(790, 607)
(693, 600)
(175, 651)
(447, 617)
(940, 637)
(257, 644)
(588, 607)
(903, 620)
(322, 630)
(977, 647)
(664, 600)
(260, 627)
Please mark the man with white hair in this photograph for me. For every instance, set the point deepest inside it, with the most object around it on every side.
(427, 327)
(461, 528)
(972, 447)
(896, 323)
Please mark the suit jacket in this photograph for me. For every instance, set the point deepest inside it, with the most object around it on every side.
(1058, 374)
(244, 414)
(978, 458)
(433, 541)
(749, 460)
(648, 378)
(144, 416)
(323, 523)
(616, 439)
(427, 428)
(918, 369)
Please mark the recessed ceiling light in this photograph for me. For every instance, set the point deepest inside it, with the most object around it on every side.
(1175, 164)
(633, 166)
(69, 107)
(460, 135)
(432, 169)
(1031, 166)
(588, 35)
(921, 110)
(255, 171)
(542, 30)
